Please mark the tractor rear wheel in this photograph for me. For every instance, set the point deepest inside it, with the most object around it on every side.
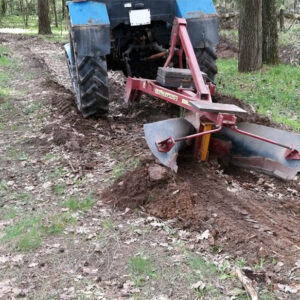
(207, 61)
(90, 81)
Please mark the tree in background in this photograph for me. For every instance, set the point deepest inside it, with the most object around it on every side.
(3, 7)
(250, 35)
(270, 33)
(63, 4)
(43, 14)
(55, 12)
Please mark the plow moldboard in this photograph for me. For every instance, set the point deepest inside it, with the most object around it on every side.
(159, 131)
(264, 156)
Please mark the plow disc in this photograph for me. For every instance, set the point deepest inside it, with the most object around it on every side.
(162, 130)
(246, 151)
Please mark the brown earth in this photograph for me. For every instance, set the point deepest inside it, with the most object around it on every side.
(248, 214)
(200, 196)
(252, 116)
(226, 49)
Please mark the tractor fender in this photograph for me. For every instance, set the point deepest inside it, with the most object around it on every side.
(89, 28)
(202, 21)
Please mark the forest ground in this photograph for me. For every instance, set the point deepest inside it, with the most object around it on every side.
(174, 238)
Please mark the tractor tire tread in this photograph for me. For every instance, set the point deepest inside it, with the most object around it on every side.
(207, 61)
(93, 85)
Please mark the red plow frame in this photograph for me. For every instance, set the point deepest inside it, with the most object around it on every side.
(200, 111)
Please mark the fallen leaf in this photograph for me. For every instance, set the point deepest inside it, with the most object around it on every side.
(292, 289)
(32, 265)
(156, 224)
(200, 285)
(18, 258)
(128, 242)
(3, 259)
(89, 271)
(203, 236)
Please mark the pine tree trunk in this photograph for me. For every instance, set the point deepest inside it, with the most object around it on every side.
(270, 32)
(250, 35)
(44, 21)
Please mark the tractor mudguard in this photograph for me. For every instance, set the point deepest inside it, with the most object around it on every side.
(90, 28)
(202, 20)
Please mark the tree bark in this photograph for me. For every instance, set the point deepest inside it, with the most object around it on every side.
(3, 7)
(281, 18)
(250, 35)
(295, 5)
(44, 21)
(23, 11)
(26, 13)
(63, 3)
(270, 33)
(55, 13)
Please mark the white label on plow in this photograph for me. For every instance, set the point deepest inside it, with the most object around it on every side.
(140, 17)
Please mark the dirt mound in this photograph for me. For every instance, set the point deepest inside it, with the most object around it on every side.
(252, 116)
(132, 189)
(225, 49)
(243, 216)
(136, 189)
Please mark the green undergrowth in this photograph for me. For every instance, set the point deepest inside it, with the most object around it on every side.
(5, 60)
(6, 63)
(60, 33)
(75, 203)
(230, 34)
(124, 163)
(28, 232)
(274, 91)
(141, 269)
(290, 36)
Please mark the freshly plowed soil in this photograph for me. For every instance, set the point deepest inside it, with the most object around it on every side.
(248, 214)
(252, 116)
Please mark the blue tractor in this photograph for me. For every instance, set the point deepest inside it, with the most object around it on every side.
(130, 35)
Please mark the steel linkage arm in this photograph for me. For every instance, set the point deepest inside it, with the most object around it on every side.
(180, 31)
(291, 152)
